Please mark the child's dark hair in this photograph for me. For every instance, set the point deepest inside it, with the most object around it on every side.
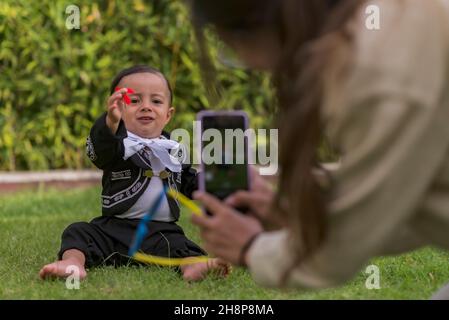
(139, 69)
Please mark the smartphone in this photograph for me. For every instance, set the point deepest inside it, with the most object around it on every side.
(224, 164)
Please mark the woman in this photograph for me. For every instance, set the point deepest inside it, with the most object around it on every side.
(382, 98)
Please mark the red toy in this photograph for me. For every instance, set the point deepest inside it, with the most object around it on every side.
(125, 96)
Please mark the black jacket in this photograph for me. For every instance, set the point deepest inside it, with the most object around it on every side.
(124, 180)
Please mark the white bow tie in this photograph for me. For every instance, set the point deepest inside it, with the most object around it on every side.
(158, 146)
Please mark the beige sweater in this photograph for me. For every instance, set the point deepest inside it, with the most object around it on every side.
(390, 118)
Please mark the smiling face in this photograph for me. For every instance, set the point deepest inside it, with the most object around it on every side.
(150, 108)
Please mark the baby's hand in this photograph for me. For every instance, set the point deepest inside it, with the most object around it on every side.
(116, 105)
(115, 109)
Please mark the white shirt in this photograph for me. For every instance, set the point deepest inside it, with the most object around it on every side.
(155, 187)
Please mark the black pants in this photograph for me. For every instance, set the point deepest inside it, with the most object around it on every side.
(106, 240)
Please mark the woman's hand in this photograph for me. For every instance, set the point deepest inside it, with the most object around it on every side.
(227, 231)
(258, 200)
(115, 109)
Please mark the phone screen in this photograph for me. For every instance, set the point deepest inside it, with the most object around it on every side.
(231, 173)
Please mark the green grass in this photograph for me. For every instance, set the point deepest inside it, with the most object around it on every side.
(31, 223)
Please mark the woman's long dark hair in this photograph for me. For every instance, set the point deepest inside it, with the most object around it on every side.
(309, 31)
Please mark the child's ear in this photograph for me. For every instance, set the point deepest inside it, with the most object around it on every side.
(170, 113)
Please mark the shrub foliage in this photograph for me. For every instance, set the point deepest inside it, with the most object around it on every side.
(54, 81)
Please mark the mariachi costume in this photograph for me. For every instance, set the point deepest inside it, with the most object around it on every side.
(135, 171)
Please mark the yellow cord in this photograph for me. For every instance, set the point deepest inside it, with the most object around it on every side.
(189, 204)
(168, 261)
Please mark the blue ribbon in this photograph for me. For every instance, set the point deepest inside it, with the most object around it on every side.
(142, 228)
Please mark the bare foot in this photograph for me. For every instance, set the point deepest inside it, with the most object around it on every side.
(62, 269)
(199, 271)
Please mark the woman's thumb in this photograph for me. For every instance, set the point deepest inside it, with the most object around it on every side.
(240, 198)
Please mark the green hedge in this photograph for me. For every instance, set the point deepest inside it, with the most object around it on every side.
(54, 81)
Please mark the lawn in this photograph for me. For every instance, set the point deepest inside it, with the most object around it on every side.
(31, 223)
